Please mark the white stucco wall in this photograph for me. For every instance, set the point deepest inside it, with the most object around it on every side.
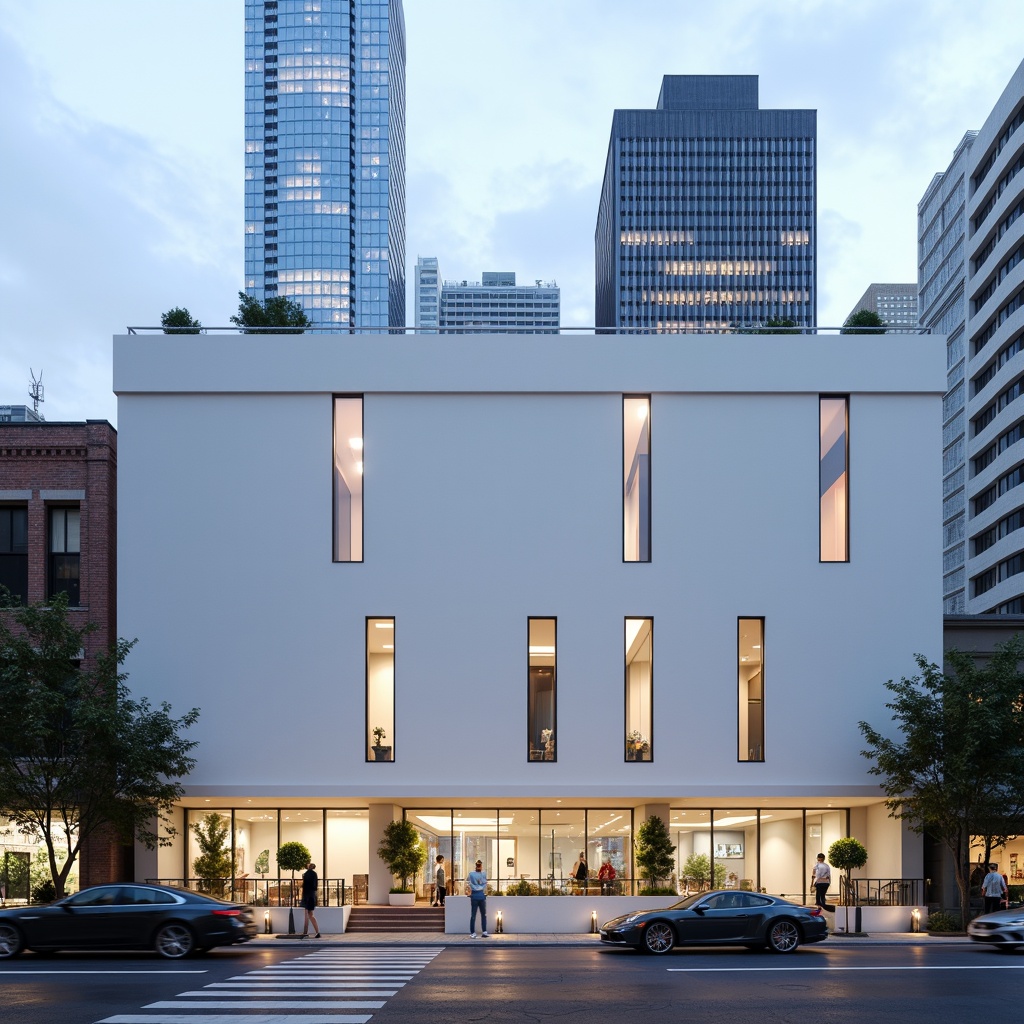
(493, 493)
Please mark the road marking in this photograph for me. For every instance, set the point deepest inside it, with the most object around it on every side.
(249, 993)
(260, 984)
(233, 1018)
(943, 967)
(4, 973)
(280, 1004)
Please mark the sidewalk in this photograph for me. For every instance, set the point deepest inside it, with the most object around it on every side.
(586, 939)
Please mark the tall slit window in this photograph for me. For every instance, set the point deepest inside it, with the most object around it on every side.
(636, 478)
(639, 689)
(65, 553)
(380, 689)
(14, 552)
(540, 710)
(833, 489)
(348, 479)
(751, 689)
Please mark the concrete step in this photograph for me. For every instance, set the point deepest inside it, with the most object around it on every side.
(381, 920)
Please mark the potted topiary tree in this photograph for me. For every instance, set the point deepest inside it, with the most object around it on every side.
(380, 752)
(847, 854)
(292, 857)
(653, 851)
(404, 853)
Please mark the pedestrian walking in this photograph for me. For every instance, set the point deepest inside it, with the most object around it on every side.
(821, 879)
(579, 874)
(310, 889)
(994, 889)
(477, 881)
(440, 891)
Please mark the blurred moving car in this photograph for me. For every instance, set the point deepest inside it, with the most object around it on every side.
(173, 922)
(1003, 929)
(723, 917)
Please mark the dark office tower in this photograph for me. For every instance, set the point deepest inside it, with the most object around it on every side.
(707, 213)
(325, 158)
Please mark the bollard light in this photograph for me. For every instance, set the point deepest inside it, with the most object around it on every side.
(915, 920)
(593, 922)
(499, 928)
(266, 922)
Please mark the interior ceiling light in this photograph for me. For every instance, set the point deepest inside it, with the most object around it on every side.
(355, 443)
(384, 625)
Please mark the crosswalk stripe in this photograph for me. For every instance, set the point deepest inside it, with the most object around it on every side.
(228, 1018)
(261, 985)
(203, 993)
(273, 1004)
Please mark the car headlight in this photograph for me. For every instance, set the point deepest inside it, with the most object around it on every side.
(631, 918)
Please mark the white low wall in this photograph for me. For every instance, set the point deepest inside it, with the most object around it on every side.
(332, 920)
(548, 914)
(572, 914)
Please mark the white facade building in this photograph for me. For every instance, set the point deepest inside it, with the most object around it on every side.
(574, 585)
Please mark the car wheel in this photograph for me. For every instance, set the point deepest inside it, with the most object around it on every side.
(783, 936)
(659, 937)
(10, 941)
(174, 941)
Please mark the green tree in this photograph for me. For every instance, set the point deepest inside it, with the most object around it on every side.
(698, 868)
(293, 856)
(958, 769)
(864, 321)
(402, 850)
(179, 321)
(653, 850)
(77, 752)
(845, 855)
(275, 316)
(213, 865)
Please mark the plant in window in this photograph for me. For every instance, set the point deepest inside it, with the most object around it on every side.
(378, 734)
(636, 746)
(403, 851)
(653, 853)
(213, 865)
(380, 752)
(547, 737)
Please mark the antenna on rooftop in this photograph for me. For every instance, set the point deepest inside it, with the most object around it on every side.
(35, 391)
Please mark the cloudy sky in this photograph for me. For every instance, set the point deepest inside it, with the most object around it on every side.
(122, 120)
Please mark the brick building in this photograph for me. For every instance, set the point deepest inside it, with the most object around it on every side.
(58, 533)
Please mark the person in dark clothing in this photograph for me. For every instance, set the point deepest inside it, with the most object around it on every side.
(440, 890)
(310, 888)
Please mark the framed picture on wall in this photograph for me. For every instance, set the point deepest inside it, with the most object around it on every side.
(724, 851)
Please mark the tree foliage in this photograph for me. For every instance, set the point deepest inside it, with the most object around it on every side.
(213, 864)
(402, 850)
(277, 315)
(179, 321)
(846, 854)
(77, 752)
(958, 769)
(864, 321)
(293, 856)
(653, 849)
(698, 868)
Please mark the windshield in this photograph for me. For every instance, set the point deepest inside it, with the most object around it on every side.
(689, 901)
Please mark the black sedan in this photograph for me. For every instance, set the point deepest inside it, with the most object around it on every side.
(719, 918)
(174, 922)
(1003, 929)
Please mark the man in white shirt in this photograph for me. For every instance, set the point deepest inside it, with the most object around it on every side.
(993, 888)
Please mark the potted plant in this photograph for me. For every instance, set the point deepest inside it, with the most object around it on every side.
(847, 854)
(636, 746)
(380, 753)
(213, 865)
(404, 853)
(653, 849)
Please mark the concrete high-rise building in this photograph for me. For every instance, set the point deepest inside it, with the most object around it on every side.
(428, 295)
(896, 304)
(497, 305)
(971, 287)
(707, 212)
(325, 158)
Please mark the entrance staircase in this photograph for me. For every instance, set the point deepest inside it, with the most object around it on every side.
(386, 920)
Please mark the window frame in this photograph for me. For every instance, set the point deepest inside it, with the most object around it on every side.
(740, 709)
(845, 398)
(371, 623)
(52, 588)
(17, 557)
(530, 749)
(649, 738)
(648, 492)
(335, 472)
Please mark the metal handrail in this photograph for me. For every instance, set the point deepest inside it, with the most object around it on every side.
(512, 329)
(881, 892)
(263, 892)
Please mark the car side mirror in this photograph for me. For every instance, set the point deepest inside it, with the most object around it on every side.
(700, 910)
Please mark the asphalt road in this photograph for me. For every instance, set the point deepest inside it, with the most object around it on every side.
(832, 982)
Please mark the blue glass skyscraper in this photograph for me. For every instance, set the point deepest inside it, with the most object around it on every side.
(707, 212)
(325, 158)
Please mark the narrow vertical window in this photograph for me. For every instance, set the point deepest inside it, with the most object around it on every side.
(348, 479)
(639, 689)
(540, 708)
(65, 553)
(832, 478)
(636, 478)
(380, 689)
(14, 552)
(751, 689)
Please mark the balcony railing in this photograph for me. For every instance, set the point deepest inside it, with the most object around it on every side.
(881, 892)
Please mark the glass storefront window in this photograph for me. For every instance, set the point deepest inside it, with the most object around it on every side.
(734, 852)
(435, 829)
(519, 851)
(782, 855)
(208, 854)
(474, 837)
(610, 841)
(823, 829)
(563, 834)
